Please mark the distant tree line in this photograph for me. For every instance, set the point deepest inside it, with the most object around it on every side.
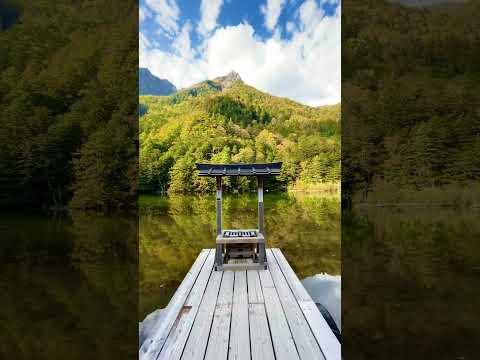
(411, 97)
(69, 121)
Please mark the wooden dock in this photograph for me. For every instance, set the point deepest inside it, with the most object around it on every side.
(241, 315)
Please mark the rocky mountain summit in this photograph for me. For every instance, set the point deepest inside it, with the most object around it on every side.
(218, 84)
(227, 80)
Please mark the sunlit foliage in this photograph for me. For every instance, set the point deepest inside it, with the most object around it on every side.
(234, 125)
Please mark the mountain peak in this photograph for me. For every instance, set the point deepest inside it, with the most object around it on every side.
(229, 79)
(232, 76)
(149, 84)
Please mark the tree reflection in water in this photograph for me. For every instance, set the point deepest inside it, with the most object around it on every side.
(173, 230)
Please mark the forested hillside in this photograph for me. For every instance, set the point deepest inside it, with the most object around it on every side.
(227, 121)
(410, 84)
(68, 117)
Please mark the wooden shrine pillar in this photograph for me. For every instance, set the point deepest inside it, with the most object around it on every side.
(260, 203)
(219, 247)
(261, 246)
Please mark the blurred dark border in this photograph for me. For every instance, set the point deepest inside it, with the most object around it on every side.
(68, 179)
(410, 179)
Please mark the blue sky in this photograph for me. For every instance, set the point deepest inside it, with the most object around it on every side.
(287, 48)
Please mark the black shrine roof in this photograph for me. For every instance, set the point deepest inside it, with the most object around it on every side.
(270, 169)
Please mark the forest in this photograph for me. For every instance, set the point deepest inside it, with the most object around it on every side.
(69, 120)
(410, 114)
(235, 124)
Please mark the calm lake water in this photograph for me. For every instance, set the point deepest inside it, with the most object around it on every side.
(69, 283)
(410, 283)
(174, 230)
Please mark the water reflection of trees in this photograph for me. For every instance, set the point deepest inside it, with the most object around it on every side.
(412, 272)
(69, 283)
(173, 231)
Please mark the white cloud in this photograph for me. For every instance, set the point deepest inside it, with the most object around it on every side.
(272, 12)
(143, 43)
(180, 71)
(166, 13)
(182, 43)
(144, 14)
(305, 68)
(310, 13)
(209, 9)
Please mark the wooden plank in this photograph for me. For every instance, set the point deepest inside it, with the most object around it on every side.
(327, 341)
(172, 350)
(239, 343)
(331, 348)
(260, 341)
(297, 288)
(305, 341)
(152, 347)
(240, 266)
(282, 340)
(197, 341)
(217, 348)
(255, 295)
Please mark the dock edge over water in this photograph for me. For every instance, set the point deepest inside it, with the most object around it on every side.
(241, 314)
